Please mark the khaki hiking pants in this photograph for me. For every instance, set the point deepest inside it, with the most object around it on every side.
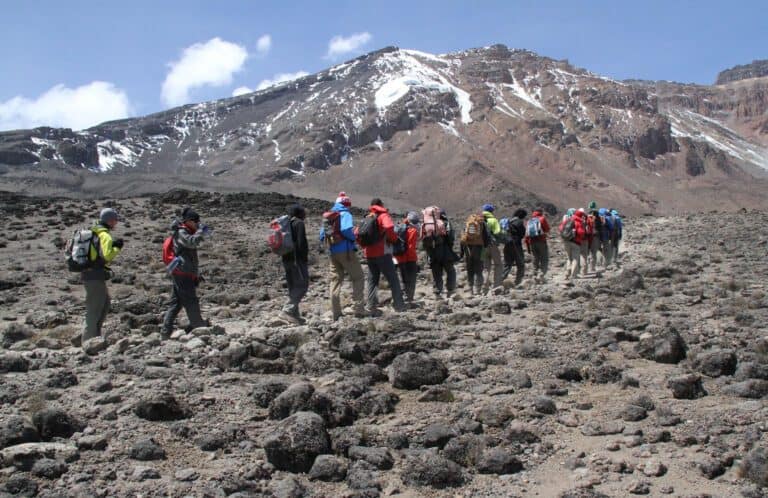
(594, 247)
(573, 251)
(343, 264)
(96, 307)
(540, 252)
(494, 265)
(606, 248)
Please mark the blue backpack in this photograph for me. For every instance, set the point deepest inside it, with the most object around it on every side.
(503, 236)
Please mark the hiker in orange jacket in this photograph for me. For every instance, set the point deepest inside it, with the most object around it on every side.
(408, 262)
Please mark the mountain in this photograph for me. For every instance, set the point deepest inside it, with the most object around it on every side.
(414, 128)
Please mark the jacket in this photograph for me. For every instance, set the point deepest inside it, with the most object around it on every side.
(492, 224)
(618, 227)
(411, 243)
(300, 251)
(102, 253)
(185, 244)
(347, 228)
(516, 230)
(579, 228)
(544, 228)
(443, 252)
(387, 229)
(606, 229)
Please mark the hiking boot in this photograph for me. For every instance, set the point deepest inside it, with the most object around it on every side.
(287, 317)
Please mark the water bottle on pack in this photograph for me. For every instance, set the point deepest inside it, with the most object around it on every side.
(175, 262)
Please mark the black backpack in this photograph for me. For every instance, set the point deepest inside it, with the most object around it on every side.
(368, 234)
(401, 246)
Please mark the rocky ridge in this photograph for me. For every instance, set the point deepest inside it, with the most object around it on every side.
(511, 123)
(648, 379)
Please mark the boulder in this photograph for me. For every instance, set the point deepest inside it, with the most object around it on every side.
(23, 456)
(380, 458)
(265, 390)
(296, 442)
(292, 400)
(430, 469)
(55, 422)
(663, 347)
(18, 430)
(49, 468)
(686, 387)
(160, 407)
(13, 362)
(328, 468)
(147, 450)
(498, 461)
(751, 388)
(413, 370)
(716, 363)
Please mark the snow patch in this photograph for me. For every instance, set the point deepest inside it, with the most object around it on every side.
(113, 154)
(278, 156)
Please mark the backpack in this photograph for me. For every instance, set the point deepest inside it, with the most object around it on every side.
(401, 246)
(168, 252)
(474, 231)
(568, 229)
(280, 237)
(369, 232)
(332, 227)
(533, 228)
(78, 250)
(589, 226)
(433, 227)
(504, 235)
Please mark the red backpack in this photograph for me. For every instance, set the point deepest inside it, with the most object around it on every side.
(168, 252)
(332, 227)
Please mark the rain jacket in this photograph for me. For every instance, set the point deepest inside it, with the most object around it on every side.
(492, 224)
(411, 241)
(101, 254)
(579, 227)
(347, 228)
(185, 244)
(387, 229)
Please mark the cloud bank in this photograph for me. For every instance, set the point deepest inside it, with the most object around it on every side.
(264, 44)
(340, 45)
(75, 108)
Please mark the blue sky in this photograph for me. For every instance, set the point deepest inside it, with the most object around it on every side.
(148, 56)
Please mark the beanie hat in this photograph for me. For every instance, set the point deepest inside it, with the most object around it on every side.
(592, 206)
(108, 214)
(413, 217)
(343, 200)
(488, 207)
(570, 211)
(581, 210)
(189, 214)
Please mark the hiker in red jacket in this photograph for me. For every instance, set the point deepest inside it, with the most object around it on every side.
(537, 245)
(379, 257)
(408, 262)
(573, 248)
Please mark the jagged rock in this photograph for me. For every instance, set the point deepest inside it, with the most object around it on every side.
(665, 347)
(14, 333)
(55, 422)
(49, 468)
(751, 388)
(62, 379)
(413, 370)
(266, 390)
(329, 468)
(160, 407)
(633, 413)
(465, 449)
(376, 402)
(288, 487)
(711, 468)
(686, 387)
(25, 455)
(19, 485)
(754, 466)
(292, 400)
(716, 363)
(380, 458)
(18, 430)
(429, 469)
(545, 405)
(296, 441)
(437, 435)
(95, 345)
(498, 461)
(13, 362)
(147, 450)
(598, 428)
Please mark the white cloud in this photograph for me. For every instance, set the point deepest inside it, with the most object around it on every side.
(212, 63)
(281, 78)
(340, 45)
(75, 108)
(264, 44)
(241, 90)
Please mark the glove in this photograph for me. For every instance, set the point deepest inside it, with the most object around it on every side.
(119, 243)
(206, 230)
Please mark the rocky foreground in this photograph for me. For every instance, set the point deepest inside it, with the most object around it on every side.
(649, 380)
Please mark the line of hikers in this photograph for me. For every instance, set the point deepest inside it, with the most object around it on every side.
(486, 244)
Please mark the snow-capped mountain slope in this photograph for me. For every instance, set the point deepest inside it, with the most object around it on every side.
(490, 123)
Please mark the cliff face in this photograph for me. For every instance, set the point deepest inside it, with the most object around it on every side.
(757, 69)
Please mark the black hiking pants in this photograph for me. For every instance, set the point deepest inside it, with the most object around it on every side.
(184, 295)
(513, 255)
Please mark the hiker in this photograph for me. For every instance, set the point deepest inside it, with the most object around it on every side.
(492, 253)
(605, 235)
(618, 228)
(572, 230)
(593, 226)
(187, 234)
(338, 233)
(408, 260)
(537, 244)
(474, 240)
(376, 235)
(101, 252)
(513, 249)
(440, 253)
(295, 265)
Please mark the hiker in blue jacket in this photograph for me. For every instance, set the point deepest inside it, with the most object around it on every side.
(338, 233)
(606, 234)
(618, 227)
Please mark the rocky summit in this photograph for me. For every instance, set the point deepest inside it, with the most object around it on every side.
(454, 128)
(650, 378)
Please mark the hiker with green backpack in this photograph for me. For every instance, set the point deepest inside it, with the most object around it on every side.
(338, 232)
(89, 252)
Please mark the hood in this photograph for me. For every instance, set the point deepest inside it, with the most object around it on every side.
(536, 212)
(602, 211)
(378, 209)
(339, 207)
(579, 214)
(179, 225)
